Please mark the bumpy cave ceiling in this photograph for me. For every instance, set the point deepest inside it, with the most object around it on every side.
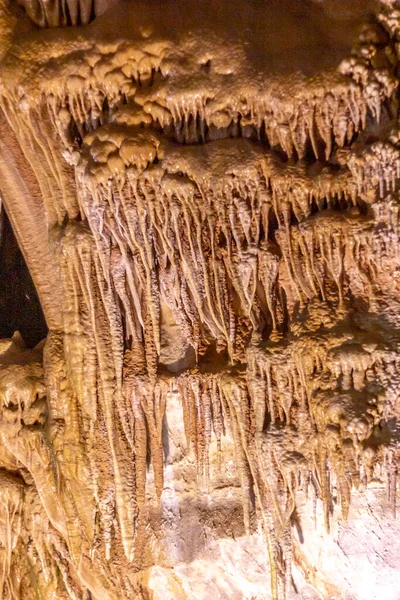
(205, 197)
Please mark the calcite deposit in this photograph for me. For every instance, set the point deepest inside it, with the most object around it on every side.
(205, 194)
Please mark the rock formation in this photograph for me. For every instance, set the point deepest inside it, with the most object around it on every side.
(206, 197)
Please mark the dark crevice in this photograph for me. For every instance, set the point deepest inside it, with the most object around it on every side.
(148, 446)
(92, 13)
(75, 134)
(20, 308)
(273, 227)
(105, 112)
(67, 18)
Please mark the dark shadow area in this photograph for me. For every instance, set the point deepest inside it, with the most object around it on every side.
(20, 308)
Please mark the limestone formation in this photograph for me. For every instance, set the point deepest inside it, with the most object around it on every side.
(206, 197)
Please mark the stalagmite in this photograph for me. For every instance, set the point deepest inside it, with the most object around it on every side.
(206, 198)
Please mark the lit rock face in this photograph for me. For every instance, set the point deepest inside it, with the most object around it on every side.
(207, 201)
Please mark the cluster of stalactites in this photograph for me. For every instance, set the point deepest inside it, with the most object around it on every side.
(318, 123)
(314, 438)
(62, 13)
(43, 563)
(206, 247)
(217, 253)
(303, 419)
(222, 249)
(131, 86)
(236, 252)
(377, 166)
(323, 401)
(331, 390)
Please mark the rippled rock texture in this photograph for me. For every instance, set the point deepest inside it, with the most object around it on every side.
(206, 197)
